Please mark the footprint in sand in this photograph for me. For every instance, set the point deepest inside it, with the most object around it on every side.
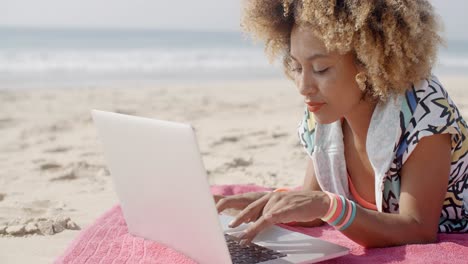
(262, 145)
(279, 134)
(264, 139)
(50, 166)
(239, 162)
(2, 196)
(74, 171)
(57, 150)
(238, 134)
(235, 165)
(226, 139)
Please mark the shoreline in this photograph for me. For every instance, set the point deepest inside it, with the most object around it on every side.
(52, 162)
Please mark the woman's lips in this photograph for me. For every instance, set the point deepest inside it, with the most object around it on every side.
(314, 107)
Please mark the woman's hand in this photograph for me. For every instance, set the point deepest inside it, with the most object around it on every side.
(240, 202)
(217, 197)
(282, 207)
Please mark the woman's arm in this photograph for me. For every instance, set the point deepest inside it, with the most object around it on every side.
(311, 184)
(424, 180)
(310, 181)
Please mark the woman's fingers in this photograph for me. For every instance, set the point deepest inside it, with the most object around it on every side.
(238, 202)
(281, 208)
(266, 220)
(253, 230)
(217, 197)
(225, 203)
(235, 202)
(251, 212)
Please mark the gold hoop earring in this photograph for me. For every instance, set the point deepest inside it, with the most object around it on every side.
(361, 80)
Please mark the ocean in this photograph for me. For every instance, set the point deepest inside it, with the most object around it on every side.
(46, 57)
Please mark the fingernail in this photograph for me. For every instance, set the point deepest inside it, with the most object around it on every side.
(243, 242)
(231, 223)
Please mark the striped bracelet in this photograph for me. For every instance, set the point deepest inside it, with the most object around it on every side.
(349, 217)
(339, 207)
(331, 209)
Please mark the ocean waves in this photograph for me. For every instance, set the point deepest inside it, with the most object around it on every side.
(131, 61)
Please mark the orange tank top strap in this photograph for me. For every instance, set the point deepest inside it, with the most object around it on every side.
(358, 197)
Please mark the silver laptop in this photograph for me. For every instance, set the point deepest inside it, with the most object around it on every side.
(165, 197)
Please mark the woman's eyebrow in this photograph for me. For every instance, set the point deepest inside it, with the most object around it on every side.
(312, 57)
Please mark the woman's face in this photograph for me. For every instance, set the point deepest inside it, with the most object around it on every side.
(325, 79)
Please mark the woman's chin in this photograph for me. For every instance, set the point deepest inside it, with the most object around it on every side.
(325, 120)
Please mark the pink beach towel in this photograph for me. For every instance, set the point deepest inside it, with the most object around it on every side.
(107, 241)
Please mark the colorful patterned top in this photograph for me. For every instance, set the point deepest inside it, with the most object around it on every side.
(396, 128)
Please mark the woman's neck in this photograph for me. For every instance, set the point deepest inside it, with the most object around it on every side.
(358, 121)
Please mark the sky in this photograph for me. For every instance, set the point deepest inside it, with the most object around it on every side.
(204, 15)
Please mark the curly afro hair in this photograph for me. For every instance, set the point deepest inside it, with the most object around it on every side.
(396, 41)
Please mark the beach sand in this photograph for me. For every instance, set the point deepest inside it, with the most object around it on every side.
(53, 178)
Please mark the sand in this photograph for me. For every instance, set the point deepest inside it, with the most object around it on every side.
(53, 177)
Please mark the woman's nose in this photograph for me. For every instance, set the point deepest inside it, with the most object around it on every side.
(307, 85)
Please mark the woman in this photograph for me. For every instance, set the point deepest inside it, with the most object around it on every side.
(388, 150)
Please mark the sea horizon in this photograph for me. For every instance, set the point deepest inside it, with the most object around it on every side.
(74, 57)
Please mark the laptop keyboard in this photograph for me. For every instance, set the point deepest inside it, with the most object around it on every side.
(250, 253)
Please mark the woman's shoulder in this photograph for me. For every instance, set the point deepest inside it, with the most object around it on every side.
(427, 109)
(426, 90)
(428, 102)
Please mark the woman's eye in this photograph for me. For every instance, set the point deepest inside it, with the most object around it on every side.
(321, 71)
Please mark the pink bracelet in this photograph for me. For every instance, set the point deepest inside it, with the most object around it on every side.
(331, 208)
(283, 189)
(338, 211)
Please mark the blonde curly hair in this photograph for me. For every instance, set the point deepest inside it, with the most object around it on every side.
(395, 41)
